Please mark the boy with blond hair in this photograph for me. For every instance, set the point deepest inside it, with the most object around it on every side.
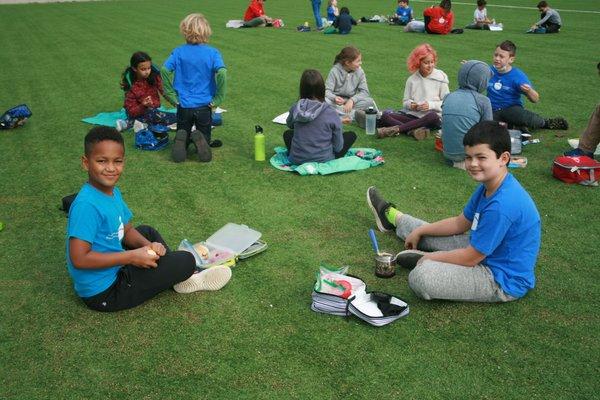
(199, 82)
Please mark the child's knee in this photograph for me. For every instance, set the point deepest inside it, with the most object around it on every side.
(419, 280)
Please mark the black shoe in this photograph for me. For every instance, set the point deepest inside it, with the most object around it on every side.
(558, 123)
(408, 258)
(179, 150)
(215, 143)
(202, 147)
(379, 206)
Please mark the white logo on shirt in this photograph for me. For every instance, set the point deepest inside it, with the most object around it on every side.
(120, 233)
(442, 20)
(498, 85)
(475, 222)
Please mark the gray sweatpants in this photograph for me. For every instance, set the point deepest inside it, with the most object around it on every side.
(438, 280)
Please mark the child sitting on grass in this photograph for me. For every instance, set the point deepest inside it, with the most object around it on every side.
(550, 21)
(495, 262)
(315, 133)
(115, 266)
(403, 14)
(438, 20)
(344, 22)
(423, 94)
(332, 11)
(199, 80)
(464, 108)
(480, 18)
(346, 86)
(505, 88)
(143, 86)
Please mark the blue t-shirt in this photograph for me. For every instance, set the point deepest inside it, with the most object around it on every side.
(506, 228)
(195, 66)
(330, 13)
(404, 13)
(100, 220)
(504, 89)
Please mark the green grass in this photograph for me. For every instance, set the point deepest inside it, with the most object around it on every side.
(257, 338)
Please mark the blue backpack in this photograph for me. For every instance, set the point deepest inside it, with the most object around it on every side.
(147, 140)
(16, 116)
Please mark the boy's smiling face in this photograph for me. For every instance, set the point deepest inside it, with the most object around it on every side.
(483, 165)
(104, 165)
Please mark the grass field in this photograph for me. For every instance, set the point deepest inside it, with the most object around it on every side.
(257, 338)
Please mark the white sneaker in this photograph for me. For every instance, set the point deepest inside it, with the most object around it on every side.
(139, 126)
(121, 125)
(210, 279)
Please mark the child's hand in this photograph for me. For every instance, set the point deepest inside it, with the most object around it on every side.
(158, 248)
(423, 106)
(414, 106)
(525, 88)
(143, 258)
(147, 102)
(412, 240)
(348, 106)
(339, 100)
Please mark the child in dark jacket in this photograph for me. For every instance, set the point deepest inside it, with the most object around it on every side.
(143, 86)
(315, 133)
(344, 21)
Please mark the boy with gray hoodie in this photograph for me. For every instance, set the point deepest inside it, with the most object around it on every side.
(464, 108)
(315, 133)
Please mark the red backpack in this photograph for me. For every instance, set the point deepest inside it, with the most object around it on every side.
(582, 169)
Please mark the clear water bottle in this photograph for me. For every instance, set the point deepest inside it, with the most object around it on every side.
(371, 121)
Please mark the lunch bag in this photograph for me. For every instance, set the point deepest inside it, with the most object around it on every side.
(581, 169)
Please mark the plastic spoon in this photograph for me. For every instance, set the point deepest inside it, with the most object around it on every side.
(374, 241)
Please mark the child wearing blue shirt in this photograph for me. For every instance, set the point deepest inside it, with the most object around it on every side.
(403, 14)
(505, 88)
(113, 265)
(199, 81)
(495, 261)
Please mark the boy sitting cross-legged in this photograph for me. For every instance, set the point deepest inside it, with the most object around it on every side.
(495, 262)
(115, 266)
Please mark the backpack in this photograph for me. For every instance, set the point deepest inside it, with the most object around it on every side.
(16, 116)
(145, 139)
(581, 169)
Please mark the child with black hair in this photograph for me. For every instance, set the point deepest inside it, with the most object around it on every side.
(343, 23)
(438, 20)
(315, 133)
(113, 265)
(480, 17)
(143, 86)
(488, 252)
(550, 21)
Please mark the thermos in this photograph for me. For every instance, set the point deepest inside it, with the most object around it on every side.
(371, 119)
(259, 143)
(515, 141)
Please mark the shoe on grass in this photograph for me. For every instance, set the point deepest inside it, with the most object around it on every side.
(209, 280)
(121, 125)
(179, 150)
(388, 131)
(379, 206)
(408, 258)
(578, 153)
(558, 123)
(215, 143)
(419, 133)
(202, 147)
(360, 116)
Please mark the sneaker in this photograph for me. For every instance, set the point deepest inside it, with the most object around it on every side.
(215, 143)
(121, 125)
(558, 123)
(419, 133)
(388, 131)
(578, 153)
(379, 206)
(408, 258)
(202, 147)
(361, 118)
(209, 280)
(179, 150)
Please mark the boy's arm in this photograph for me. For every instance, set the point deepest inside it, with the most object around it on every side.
(83, 257)
(445, 227)
(530, 93)
(134, 240)
(221, 78)
(468, 257)
(168, 92)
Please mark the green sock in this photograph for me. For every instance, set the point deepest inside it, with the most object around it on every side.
(391, 214)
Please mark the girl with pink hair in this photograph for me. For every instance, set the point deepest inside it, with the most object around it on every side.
(423, 95)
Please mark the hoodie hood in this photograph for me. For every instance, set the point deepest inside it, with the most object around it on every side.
(307, 110)
(474, 75)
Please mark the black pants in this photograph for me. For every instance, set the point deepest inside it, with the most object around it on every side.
(518, 117)
(136, 285)
(349, 139)
(200, 116)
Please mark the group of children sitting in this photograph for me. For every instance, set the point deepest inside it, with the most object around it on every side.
(115, 266)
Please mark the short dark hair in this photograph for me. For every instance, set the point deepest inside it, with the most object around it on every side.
(509, 46)
(542, 4)
(344, 10)
(446, 5)
(312, 85)
(481, 3)
(491, 133)
(99, 134)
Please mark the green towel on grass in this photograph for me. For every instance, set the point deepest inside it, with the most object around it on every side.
(110, 118)
(354, 160)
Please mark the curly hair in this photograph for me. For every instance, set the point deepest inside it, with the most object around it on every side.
(195, 28)
(418, 54)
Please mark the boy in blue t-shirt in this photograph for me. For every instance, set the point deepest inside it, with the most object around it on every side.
(115, 266)
(403, 14)
(505, 89)
(199, 81)
(495, 262)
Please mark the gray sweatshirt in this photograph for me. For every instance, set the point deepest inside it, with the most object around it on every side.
(349, 85)
(317, 132)
(552, 16)
(465, 107)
